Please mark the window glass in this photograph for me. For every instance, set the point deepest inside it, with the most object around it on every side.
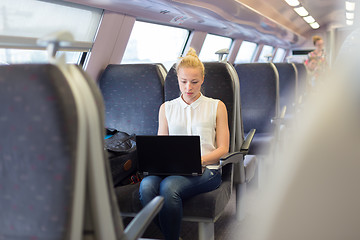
(246, 52)
(266, 54)
(14, 56)
(36, 19)
(22, 22)
(279, 55)
(212, 44)
(153, 43)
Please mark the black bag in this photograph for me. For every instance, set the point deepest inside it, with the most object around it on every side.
(122, 155)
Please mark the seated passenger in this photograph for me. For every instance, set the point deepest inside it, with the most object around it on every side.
(190, 114)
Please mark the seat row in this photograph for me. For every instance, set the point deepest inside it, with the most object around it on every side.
(133, 94)
(52, 149)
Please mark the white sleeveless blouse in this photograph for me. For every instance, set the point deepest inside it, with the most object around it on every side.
(198, 118)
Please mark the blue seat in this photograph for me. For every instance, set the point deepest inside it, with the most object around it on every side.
(52, 158)
(220, 83)
(38, 126)
(132, 93)
(302, 79)
(203, 208)
(317, 187)
(259, 94)
(287, 87)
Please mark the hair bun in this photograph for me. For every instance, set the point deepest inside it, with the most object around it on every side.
(190, 60)
(191, 52)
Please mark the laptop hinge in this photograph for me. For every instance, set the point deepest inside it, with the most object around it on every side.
(195, 174)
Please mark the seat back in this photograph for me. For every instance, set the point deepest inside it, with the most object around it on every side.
(287, 86)
(133, 94)
(218, 84)
(316, 187)
(302, 78)
(40, 154)
(259, 95)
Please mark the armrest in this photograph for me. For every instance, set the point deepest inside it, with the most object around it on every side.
(283, 112)
(277, 120)
(234, 157)
(246, 144)
(138, 225)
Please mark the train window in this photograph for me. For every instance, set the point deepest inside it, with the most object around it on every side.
(279, 55)
(154, 43)
(246, 52)
(266, 53)
(23, 22)
(24, 18)
(13, 56)
(212, 44)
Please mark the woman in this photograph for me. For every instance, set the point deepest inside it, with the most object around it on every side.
(318, 54)
(316, 62)
(190, 114)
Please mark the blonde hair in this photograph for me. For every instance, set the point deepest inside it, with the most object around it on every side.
(316, 38)
(190, 60)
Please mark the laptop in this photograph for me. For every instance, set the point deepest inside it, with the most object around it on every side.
(169, 155)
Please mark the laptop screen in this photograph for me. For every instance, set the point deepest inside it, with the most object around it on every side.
(169, 155)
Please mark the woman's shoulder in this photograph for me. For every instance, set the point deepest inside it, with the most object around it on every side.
(212, 101)
(172, 102)
(209, 99)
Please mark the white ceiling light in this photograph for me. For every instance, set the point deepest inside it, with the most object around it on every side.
(309, 19)
(349, 22)
(293, 3)
(350, 6)
(350, 15)
(301, 11)
(314, 25)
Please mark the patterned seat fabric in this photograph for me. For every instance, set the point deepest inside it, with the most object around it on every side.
(302, 78)
(287, 86)
(133, 94)
(258, 93)
(38, 125)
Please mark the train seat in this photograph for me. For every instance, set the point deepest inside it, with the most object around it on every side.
(53, 170)
(204, 208)
(38, 156)
(133, 94)
(259, 95)
(302, 80)
(287, 87)
(325, 203)
(220, 83)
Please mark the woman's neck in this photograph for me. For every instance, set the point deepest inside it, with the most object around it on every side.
(190, 100)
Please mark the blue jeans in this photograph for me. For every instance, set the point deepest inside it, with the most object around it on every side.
(176, 189)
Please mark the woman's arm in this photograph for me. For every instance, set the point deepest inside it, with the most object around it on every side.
(163, 125)
(222, 137)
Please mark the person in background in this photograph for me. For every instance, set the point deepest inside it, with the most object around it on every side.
(316, 63)
(190, 114)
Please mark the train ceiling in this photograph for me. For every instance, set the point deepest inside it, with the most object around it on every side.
(265, 21)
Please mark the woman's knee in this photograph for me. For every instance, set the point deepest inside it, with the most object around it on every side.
(149, 188)
(171, 187)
